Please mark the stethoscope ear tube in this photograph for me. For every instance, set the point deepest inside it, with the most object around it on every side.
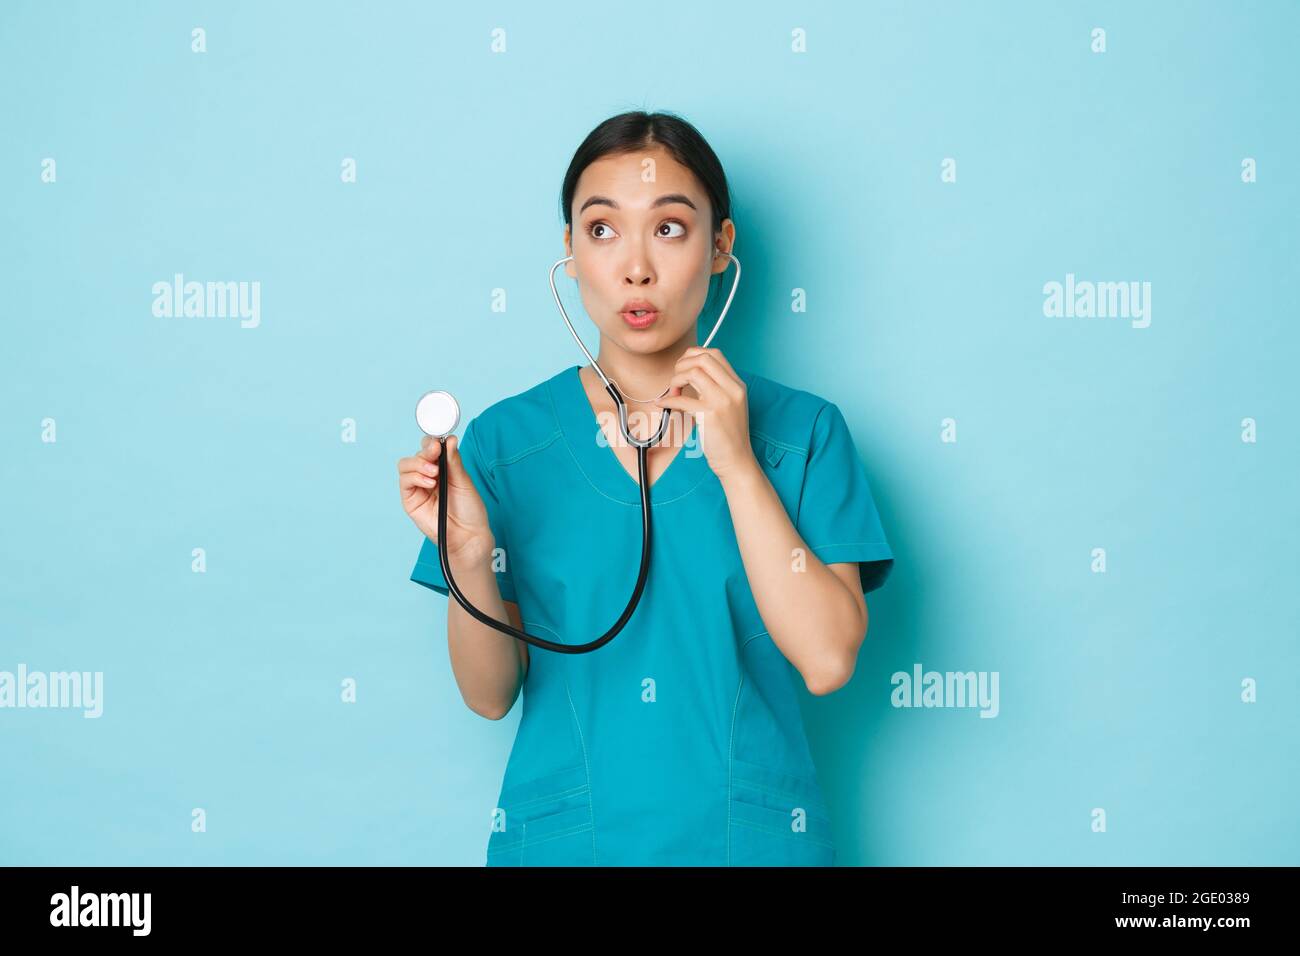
(515, 632)
(595, 366)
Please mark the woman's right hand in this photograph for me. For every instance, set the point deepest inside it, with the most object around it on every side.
(468, 531)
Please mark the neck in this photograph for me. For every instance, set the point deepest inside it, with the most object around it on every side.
(638, 374)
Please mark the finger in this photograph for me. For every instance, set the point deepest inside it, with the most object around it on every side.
(410, 480)
(455, 463)
(684, 403)
(725, 378)
(418, 464)
(429, 448)
(712, 377)
(716, 361)
(722, 360)
(709, 390)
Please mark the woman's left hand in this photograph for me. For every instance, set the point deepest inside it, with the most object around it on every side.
(721, 412)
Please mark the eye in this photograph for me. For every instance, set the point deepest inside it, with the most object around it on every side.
(673, 222)
(598, 224)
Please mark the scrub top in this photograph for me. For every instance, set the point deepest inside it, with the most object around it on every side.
(680, 742)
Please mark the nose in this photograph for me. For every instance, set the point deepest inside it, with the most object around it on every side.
(639, 269)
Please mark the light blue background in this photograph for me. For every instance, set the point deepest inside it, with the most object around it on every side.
(1118, 690)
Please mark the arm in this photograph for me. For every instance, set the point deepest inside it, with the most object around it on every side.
(488, 665)
(815, 613)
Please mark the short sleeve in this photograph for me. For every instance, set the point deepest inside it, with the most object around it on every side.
(837, 515)
(428, 568)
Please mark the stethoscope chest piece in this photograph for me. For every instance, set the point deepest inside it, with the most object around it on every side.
(437, 413)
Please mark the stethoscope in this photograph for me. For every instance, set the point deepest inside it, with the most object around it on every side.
(437, 414)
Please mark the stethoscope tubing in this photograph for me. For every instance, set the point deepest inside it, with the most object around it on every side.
(533, 639)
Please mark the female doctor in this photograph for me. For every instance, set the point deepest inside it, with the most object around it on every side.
(680, 742)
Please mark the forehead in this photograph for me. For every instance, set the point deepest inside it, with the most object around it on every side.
(622, 177)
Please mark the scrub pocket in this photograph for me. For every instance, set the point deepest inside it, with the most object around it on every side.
(777, 814)
(548, 822)
(765, 807)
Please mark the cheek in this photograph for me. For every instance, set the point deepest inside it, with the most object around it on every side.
(697, 291)
(598, 303)
(591, 303)
(586, 283)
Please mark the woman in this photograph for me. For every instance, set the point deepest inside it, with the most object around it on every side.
(680, 742)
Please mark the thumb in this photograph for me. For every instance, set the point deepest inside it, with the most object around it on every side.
(455, 463)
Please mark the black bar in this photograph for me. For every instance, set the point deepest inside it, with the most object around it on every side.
(366, 904)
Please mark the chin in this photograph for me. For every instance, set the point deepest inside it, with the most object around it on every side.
(643, 343)
(647, 343)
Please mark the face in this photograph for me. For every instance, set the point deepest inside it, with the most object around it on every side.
(642, 230)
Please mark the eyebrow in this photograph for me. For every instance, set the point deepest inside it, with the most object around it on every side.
(661, 201)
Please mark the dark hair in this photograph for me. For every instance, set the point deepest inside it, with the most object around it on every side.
(629, 132)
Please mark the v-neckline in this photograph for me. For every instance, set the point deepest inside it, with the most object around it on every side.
(599, 461)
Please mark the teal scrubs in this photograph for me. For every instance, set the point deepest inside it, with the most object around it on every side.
(680, 742)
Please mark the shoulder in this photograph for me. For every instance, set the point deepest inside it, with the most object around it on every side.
(511, 426)
(783, 414)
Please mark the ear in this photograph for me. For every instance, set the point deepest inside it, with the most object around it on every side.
(569, 270)
(720, 262)
(724, 241)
